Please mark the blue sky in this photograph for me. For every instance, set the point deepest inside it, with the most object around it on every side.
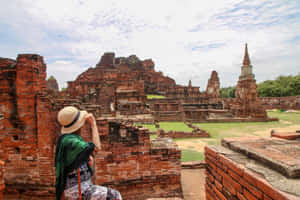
(186, 39)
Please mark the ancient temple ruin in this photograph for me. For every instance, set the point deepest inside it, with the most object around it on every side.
(29, 130)
(247, 103)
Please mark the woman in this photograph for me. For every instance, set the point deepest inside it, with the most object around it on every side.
(73, 158)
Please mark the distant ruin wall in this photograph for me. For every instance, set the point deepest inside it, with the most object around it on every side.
(182, 134)
(286, 103)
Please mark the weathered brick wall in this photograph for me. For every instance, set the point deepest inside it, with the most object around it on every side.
(182, 134)
(27, 156)
(226, 179)
(286, 103)
(129, 163)
(166, 109)
(2, 186)
(178, 91)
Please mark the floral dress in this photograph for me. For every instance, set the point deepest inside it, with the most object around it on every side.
(89, 191)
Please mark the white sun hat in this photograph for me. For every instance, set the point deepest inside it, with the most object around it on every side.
(71, 119)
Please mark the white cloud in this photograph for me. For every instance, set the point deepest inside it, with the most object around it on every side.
(186, 39)
(64, 71)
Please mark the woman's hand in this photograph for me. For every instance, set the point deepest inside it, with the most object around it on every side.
(95, 135)
(90, 119)
(91, 161)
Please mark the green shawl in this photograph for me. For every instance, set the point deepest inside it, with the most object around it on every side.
(71, 152)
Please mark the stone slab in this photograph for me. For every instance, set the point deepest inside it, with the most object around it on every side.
(280, 155)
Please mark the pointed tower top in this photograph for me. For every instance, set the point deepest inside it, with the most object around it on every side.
(190, 83)
(246, 60)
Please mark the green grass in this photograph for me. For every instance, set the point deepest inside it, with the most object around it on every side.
(218, 131)
(190, 155)
(154, 96)
(168, 126)
(174, 126)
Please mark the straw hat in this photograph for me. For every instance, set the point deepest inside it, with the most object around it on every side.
(71, 119)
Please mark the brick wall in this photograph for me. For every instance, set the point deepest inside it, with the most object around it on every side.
(227, 179)
(182, 134)
(135, 167)
(281, 102)
(286, 103)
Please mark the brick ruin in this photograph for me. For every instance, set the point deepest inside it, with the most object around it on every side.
(253, 168)
(28, 134)
(120, 84)
(182, 134)
(286, 103)
(213, 86)
(181, 92)
(209, 106)
(52, 84)
(247, 103)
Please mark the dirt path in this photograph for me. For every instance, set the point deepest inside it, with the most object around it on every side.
(193, 181)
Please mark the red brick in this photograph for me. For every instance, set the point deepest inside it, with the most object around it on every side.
(218, 193)
(240, 196)
(249, 196)
(255, 191)
(210, 152)
(266, 197)
(219, 186)
(229, 183)
(233, 166)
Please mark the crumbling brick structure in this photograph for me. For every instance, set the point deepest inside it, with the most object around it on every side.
(128, 163)
(247, 104)
(52, 84)
(180, 92)
(213, 86)
(166, 109)
(26, 139)
(253, 168)
(102, 85)
(286, 103)
(29, 133)
(183, 134)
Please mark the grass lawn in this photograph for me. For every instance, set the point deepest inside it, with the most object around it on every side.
(192, 148)
(168, 126)
(154, 96)
(218, 131)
